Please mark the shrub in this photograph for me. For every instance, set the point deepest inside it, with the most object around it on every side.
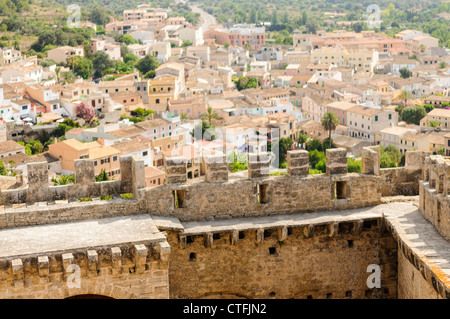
(85, 199)
(126, 195)
(106, 197)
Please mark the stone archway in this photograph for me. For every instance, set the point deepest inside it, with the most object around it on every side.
(222, 295)
(89, 296)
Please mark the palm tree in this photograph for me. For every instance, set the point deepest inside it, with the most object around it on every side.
(405, 96)
(329, 122)
(210, 115)
(63, 180)
(184, 116)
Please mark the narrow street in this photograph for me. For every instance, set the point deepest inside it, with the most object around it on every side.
(206, 18)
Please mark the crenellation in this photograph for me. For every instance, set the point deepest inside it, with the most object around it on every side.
(333, 229)
(209, 240)
(297, 163)
(43, 267)
(92, 263)
(175, 169)
(38, 188)
(259, 236)
(282, 233)
(234, 237)
(336, 161)
(371, 160)
(17, 272)
(259, 165)
(216, 168)
(140, 257)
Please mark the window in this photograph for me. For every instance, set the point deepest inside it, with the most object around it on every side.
(145, 153)
(376, 118)
(95, 163)
(24, 107)
(114, 158)
(157, 101)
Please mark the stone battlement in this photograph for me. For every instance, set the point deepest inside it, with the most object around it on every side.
(107, 257)
(258, 237)
(434, 200)
(217, 196)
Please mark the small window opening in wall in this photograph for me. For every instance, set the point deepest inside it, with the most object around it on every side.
(267, 233)
(329, 295)
(309, 297)
(192, 256)
(272, 294)
(216, 236)
(340, 190)
(438, 212)
(289, 231)
(179, 198)
(263, 193)
(386, 291)
(350, 243)
(241, 235)
(189, 239)
(272, 251)
(348, 294)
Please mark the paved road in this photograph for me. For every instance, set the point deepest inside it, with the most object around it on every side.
(206, 18)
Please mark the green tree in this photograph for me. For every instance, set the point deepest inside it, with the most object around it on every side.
(127, 39)
(315, 157)
(146, 64)
(102, 177)
(81, 66)
(284, 145)
(99, 16)
(413, 115)
(63, 180)
(3, 170)
(186, 43)
(210, 115)
(405, 72)
(314, 144)
(101, 62)
(405, 96)
(329, 122)
(204, 130)
(353, 165)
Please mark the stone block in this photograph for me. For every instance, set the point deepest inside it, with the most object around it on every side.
(370, 160)
(336, 161)
(43, 266)
(84, 171)
(298, 163)
(216, 168)
(175, 169)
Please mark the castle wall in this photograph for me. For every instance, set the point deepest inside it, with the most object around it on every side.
(411, 284)
(434, 202)
(131, 264)
(298, 263)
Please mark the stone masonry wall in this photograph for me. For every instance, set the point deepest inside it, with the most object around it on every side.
(434, 202)
(303, 263)
(411, 284)
(123, 271)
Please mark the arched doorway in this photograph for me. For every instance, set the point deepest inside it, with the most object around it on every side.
(89, 296)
